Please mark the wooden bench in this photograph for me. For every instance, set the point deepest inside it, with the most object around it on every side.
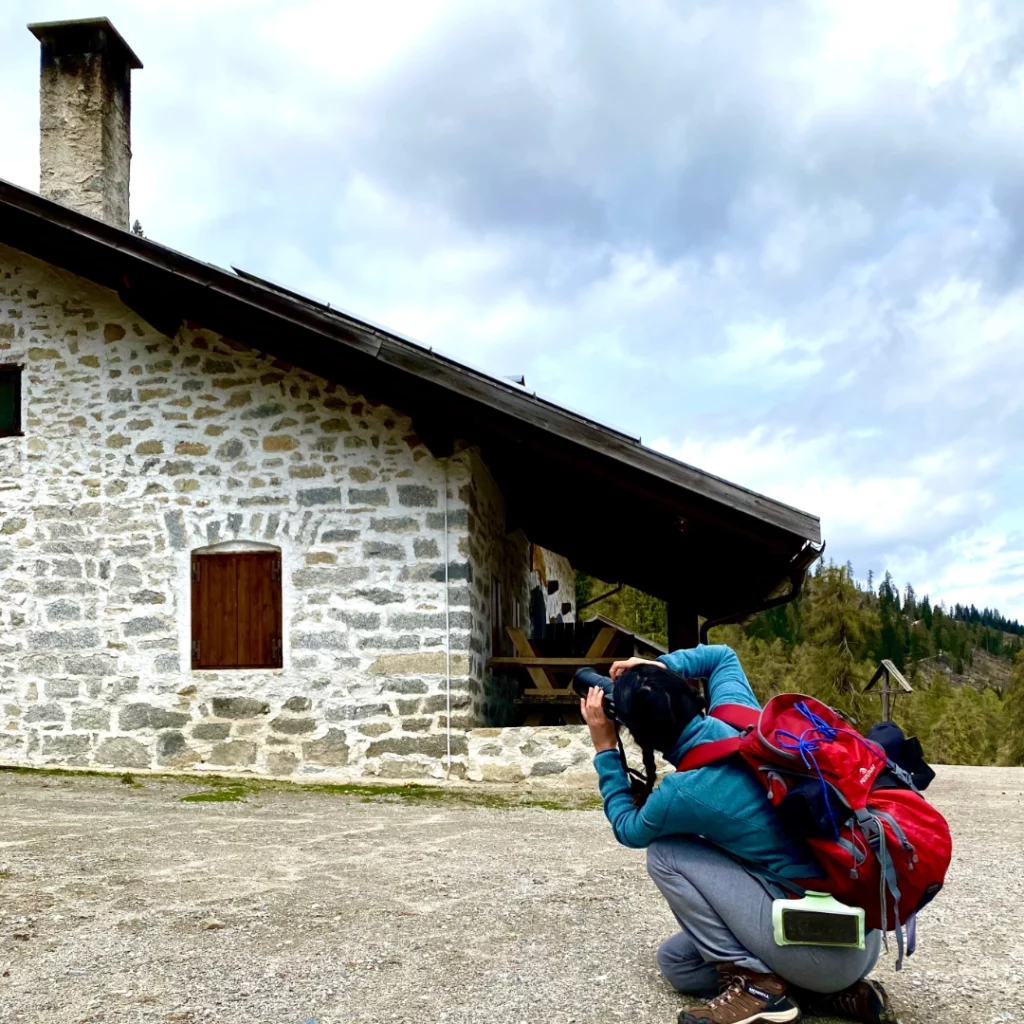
(548, 694)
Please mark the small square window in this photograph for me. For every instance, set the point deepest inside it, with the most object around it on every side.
(236, 610)
(10, 401)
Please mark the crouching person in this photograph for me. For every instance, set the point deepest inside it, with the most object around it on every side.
(717, 851)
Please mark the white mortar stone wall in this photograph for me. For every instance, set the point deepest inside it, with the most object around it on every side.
(550, 567)
(509, 564)
(139, 449)
(498, 561)
(556, 753)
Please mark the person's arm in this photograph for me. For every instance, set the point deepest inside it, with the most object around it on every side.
(719, 665)
(633, 827)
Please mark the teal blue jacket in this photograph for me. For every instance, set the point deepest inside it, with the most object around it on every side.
(722, 802)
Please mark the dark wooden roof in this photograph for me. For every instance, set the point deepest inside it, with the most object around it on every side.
(644, 646)
(616, 509)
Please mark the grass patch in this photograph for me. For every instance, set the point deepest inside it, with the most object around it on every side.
(231, 789)
(234, 790)
(216, 796)
(57, 773)
(482, 797)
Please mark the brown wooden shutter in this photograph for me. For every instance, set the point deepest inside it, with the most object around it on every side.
(236, 610)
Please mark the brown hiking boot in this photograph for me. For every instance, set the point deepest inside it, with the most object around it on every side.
(749, 998)
(864, 1001)
(695, 1003)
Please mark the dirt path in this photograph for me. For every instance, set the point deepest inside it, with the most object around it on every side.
(122, 904)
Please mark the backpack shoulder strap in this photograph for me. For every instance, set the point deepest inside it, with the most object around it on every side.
(741, 718)
(708, 753)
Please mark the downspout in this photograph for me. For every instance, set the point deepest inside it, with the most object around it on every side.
(594, 600)
(796, 584)
(447, 635)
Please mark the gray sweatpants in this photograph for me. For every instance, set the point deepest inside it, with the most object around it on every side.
(726, 917)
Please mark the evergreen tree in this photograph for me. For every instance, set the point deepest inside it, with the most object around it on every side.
(925, 611)
(584, 588)
(994, 729)
(638, 612)
(644, 615)
(1013, 714)
(960, 734)
(888, 593)
(918, 643)
(834, 669)
(990, 617)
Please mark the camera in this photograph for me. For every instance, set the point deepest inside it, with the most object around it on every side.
(585, 678)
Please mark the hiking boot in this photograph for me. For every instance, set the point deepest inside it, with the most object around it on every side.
(694, 1002)
(864, 1001)
(749, 998)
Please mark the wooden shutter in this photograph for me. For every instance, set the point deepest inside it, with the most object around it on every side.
(236, 610)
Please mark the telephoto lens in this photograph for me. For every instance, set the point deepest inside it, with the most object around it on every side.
(585, 678)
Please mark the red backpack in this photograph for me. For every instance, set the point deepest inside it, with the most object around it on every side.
(881, 845)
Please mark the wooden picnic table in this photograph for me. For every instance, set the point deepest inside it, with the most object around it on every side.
(548, 693)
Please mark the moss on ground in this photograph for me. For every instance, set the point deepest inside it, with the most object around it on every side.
(215, 796)
(234, 790)
(231, 789)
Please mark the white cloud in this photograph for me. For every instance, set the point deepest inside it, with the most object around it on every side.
(362, 39)
(980, 567)
(785, 239)
(906, 519)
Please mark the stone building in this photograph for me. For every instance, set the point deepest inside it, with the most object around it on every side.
(239, 529)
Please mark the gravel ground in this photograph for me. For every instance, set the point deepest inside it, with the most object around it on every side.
(121, 903)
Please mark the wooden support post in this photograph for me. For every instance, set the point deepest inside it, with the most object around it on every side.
(683, 620)
(683, 623)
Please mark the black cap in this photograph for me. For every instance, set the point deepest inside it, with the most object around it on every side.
(84, 35)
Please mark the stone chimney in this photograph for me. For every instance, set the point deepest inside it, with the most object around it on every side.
(85, 104)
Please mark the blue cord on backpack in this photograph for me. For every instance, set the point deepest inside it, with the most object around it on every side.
(806, 744)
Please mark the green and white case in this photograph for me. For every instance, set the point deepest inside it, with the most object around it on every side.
(818, 920)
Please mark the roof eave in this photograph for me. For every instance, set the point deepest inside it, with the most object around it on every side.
(151, 263)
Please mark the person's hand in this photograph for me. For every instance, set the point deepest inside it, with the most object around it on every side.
(623, 666)
(602, 728)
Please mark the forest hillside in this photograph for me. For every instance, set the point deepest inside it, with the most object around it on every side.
(965, 665)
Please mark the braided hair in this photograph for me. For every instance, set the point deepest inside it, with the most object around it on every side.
(655, 704)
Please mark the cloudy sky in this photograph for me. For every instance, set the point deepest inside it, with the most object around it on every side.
(782, 241)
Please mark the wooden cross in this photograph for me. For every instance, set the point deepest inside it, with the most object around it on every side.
(886, 672)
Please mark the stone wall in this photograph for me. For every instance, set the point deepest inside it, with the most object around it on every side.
(559, 754)
(505, 567)
(139, 449)
(548, 568)
(500, 580)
